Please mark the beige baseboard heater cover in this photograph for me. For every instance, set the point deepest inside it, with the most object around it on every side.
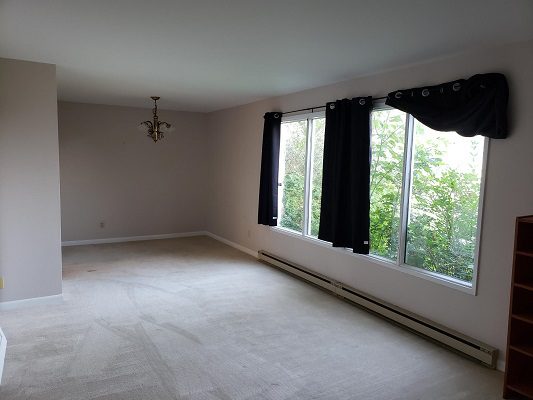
(456, 341)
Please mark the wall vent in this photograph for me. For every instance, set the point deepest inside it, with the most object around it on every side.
(456, 341)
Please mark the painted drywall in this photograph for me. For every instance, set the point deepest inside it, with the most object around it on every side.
(235, 154)
(112, 173)
(30, 236)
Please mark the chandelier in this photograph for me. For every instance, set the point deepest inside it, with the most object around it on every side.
(155, 128)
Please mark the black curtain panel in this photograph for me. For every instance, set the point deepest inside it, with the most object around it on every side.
(268, 185)
(474, 106)
(345, 205)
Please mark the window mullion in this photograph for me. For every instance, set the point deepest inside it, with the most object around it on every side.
(406, 187)
(307, 184)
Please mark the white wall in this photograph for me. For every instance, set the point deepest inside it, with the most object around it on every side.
(30, 237)
(235, 154)
(113, 173)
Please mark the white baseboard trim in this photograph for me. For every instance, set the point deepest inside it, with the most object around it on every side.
(35, 301)
(132, 238)
(233, 244)
(162, 236)
(57, 299)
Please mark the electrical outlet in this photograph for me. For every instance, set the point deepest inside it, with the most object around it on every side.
(1, 283)
(102, 224)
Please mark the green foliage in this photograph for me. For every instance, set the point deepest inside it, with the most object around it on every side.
(293, 188)
(293, 179)
(441, 233)
(316, 188)
(293, 215)
(386, 182)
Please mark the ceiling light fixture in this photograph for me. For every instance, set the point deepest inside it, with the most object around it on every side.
(156, 128)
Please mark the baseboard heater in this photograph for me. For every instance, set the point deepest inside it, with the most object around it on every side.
(456, 341)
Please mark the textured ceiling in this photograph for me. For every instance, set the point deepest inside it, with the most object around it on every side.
(202, 55)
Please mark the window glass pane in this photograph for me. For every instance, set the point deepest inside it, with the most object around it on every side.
(443, 206)
(388, 138)
(319, 125)
(292, 175)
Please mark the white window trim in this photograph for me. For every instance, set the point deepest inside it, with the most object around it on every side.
(383, 262)
(302, 116)
(398, 265)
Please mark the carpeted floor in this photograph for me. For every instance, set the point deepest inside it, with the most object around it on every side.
(194, 319)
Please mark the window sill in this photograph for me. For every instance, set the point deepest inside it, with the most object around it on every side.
(407, 269)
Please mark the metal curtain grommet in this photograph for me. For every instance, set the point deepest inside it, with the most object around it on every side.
(425, 92)
(456, 86)
(332, 106)
(276, 115)
(398, 95)
(362, 102)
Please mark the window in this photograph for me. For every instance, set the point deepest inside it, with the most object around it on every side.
(386, 170)
(425, 195)
(444, 201)
(300, 173)
(425, 192)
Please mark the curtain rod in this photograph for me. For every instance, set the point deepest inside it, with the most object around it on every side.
(318, 107)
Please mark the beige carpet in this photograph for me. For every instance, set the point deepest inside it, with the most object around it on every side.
(194, 319)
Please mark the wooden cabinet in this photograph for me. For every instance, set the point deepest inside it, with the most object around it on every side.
(518, 382)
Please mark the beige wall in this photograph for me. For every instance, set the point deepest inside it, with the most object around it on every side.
(113, 173)
(30, 237)
(235, 153)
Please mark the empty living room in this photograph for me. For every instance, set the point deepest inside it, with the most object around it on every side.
(252, 199)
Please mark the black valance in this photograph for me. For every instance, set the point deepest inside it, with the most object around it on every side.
(345, 204)
(474, 106)
(268, 184)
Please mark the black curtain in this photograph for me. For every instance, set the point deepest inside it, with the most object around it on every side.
(268, 184)
(474, 106)
(345, 205)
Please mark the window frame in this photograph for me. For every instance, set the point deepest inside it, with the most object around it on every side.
(399, 264)
(308, 117)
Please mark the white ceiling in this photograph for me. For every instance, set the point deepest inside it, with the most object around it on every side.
(204, 55)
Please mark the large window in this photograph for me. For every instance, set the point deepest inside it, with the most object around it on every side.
(300, 173)
(425, 195)
(425, 191)
(444, 200)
